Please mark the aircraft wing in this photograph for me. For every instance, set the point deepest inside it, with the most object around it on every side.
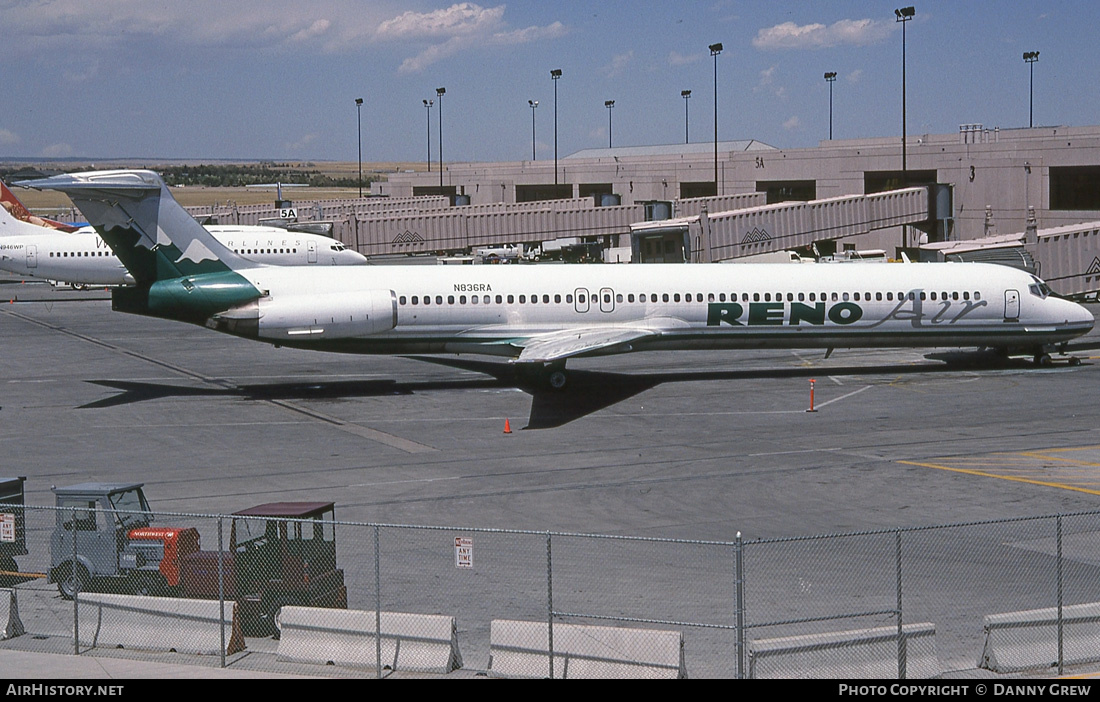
(559, 345)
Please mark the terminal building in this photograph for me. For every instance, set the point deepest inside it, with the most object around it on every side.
(990, 185)
(1023, 197)
(994, 175)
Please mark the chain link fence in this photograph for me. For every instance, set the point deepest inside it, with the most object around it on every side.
(310, 595)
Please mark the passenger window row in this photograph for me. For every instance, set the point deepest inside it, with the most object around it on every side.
(428, 300)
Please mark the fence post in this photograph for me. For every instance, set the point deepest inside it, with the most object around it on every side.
(902, 644)
(1060, 651)
(550, 603)
(221, 590)
(76, 589)
(739, 576)
(377, 605)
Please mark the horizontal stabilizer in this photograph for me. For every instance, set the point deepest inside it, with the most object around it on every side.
(153, 236)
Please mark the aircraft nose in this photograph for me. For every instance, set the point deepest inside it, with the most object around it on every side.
(1088, 316)
(1081, 315)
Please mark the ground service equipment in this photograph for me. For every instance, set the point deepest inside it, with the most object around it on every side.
(13, 541)
(281, 553)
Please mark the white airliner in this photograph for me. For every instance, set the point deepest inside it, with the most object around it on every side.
(540, 316)
(83, 258)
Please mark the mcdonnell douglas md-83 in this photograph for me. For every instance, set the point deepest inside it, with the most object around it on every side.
(540, 316)
(82, 257)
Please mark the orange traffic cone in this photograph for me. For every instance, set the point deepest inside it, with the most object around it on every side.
(507, 427)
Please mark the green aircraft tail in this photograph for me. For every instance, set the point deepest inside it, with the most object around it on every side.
(182, 272)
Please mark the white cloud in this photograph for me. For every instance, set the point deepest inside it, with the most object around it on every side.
(78, 72)
(8, 137)
(817, 36)
(461, 19)
(95, 30)
(315, 30)
(302, 143)
(675, 58)
(792, 124)
(766, 83)
(618, 64)
(57, 151)
(462, 26)
(78, 26)
(523, 36)
(855, 76)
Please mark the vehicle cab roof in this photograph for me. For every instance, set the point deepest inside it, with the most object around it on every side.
(289, 510)
(96, 489)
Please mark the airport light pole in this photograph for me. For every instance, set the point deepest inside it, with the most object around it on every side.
(830, 78)
(359, 120)
(903, 15)
(428, 110)
(1031, 57)
(715, 49)
(686, 95)
(439, 96)
(555, 74)
(609, 104)
(533, 104)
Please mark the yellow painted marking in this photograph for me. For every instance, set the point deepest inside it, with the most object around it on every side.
(1066, 460)
(984, 474)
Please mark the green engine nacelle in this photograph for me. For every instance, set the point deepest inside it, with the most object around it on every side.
(190, 299)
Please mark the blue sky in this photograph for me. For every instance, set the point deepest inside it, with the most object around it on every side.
(275, 79)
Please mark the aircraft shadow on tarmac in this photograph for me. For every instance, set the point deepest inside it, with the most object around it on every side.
(587, 392)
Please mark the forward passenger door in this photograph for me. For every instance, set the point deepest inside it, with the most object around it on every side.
(1012, 305)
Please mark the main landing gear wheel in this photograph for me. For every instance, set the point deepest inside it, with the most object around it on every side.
(555, 376)
(557, 379)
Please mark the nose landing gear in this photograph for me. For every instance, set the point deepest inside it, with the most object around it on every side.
(1044, 359)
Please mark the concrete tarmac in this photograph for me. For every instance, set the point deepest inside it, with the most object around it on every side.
(694, 446)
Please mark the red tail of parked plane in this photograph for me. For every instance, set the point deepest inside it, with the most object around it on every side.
(12, 204)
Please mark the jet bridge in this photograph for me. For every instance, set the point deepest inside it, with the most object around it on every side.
(1066, 257)
(720, 236)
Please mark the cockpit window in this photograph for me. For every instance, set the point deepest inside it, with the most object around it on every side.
(1039, 288)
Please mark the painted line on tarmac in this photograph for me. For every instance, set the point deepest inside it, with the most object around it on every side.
(842, 397)
(1043, 455)
(406, 445)
(1015, 479)
(381, 437)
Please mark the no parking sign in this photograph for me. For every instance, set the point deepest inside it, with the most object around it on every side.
(464, 552)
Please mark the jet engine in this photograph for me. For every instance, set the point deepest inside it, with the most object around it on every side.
(341, 315)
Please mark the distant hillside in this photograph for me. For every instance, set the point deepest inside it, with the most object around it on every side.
(213, 182)
(218, 174)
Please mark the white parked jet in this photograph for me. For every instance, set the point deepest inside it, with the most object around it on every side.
(539, 316)
(82, 257)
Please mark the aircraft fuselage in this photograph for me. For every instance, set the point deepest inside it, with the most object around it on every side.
(424, 309)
